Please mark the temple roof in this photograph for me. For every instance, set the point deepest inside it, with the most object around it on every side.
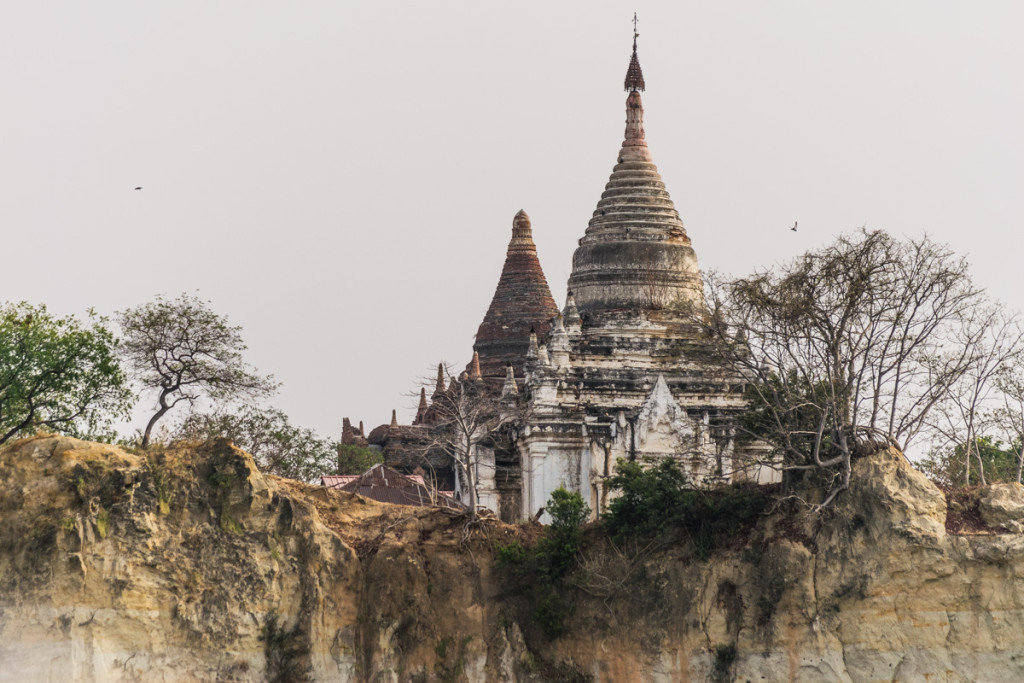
(635, 254)
(522, 300)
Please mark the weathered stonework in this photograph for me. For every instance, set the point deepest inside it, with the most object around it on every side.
(622, 372)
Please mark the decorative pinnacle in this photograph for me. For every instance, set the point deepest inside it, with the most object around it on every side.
(522, 235)
(475, 367)
(439, 386)
(634, 75)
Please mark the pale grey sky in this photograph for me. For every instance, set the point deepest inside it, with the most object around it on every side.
(340, 178)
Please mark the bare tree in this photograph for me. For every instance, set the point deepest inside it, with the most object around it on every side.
(278, 446)
(1010, 415)
(465, 420)
(850, 345)
(182, 350)
(992, 338)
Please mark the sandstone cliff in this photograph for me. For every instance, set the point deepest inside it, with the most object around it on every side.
(191, 565)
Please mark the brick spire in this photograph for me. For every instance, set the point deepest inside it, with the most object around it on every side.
(439, 386)
(522, 300)
(421, 410)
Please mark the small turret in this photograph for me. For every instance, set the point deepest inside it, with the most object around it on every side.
(474, 368)
(394, 418)
(532, 352)
(558, 348)
(542, 356)
(509, 389)
(421, 410)
(571, 316)
(439, 387)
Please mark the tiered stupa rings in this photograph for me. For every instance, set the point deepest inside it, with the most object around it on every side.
(635, 254)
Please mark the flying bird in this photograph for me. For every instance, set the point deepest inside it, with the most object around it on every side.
(139, 187)
(794, 226)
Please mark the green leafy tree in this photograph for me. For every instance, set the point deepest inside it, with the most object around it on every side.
(995, 461)
(657, 499)
(539, 571)
(58, 373)
(183, 351)
(563, 538)
(353, 459)
(649, 498)
(278, 447)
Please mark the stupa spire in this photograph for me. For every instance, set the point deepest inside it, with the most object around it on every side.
(634, 74)
(421, 410)
(522, 301)
(635, 254)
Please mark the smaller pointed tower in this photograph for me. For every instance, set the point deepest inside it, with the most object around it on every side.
(543, 360)
(571, 317)
(439, 386)
(558, 348)
(421, 410)
(509, 389)
(394, 418)
(522, 301)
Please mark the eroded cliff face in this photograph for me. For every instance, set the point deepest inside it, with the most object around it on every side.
(191, 565)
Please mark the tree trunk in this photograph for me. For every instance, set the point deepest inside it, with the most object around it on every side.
(471, 482)
(153, 420)
(967, 465)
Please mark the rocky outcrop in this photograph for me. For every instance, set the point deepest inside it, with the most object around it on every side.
(191, 565)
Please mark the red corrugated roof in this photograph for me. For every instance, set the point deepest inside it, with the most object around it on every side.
(336, 481)
(386, 485)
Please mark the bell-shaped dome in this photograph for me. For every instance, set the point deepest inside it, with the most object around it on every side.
(635, 254)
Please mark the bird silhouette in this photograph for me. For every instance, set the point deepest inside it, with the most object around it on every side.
(139, 187)
(794, 226)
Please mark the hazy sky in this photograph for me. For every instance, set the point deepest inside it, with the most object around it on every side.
(340, 178)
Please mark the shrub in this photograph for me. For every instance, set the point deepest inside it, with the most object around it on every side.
(660, 498)
(563, 538)
(537, 572)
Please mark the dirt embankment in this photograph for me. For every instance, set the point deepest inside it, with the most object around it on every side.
(191, 565)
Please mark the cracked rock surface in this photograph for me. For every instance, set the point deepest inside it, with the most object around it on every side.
(189, 564)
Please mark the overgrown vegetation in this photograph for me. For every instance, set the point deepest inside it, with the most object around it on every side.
(277, 446)
(538, 571)
(657, 498)
(993, 460)
(353, 459)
